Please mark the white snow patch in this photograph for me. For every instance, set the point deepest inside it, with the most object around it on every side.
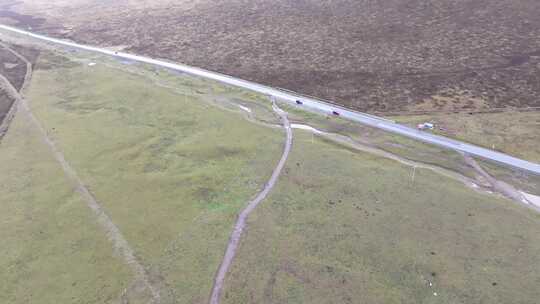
(9, 65)
(531, 198)
(92, 64)
(245, 108)
(306, 127)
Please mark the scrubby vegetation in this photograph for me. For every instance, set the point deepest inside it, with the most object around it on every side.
(343, 227)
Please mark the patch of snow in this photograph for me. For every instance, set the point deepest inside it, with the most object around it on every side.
(9, 65)
(306, 127)
(245, 108)
(531, 198)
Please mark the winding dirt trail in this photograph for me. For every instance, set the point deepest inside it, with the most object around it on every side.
(120, 244)
(241, 221)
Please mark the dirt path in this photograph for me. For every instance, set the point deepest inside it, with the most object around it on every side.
(241, 221)
(121, 245)
(499, 186)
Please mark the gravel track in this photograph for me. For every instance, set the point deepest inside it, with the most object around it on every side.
(241, 221)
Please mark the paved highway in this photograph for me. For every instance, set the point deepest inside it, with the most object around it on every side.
(308, 103)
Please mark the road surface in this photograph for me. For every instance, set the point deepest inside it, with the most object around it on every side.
(309, 104)
(240, 224)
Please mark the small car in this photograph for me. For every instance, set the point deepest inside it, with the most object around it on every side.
(335, 113)
(298, 102)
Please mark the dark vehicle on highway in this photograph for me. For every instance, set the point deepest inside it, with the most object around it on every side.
(298, 102)
(335, 113)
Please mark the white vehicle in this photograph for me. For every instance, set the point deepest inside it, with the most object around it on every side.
(424, 126)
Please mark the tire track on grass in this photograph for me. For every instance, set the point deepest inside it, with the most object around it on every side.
(121, 246)
(240, 224)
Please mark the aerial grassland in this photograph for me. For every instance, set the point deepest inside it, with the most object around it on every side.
(169, 167)
(357, 215)
(349, 227)
(52, 251)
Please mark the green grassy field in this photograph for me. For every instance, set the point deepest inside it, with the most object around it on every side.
(346, 227)
(53, 250)
(171, 169)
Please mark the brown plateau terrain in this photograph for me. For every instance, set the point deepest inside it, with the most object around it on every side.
(5, 105)
(378, 56)
(13, 70)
